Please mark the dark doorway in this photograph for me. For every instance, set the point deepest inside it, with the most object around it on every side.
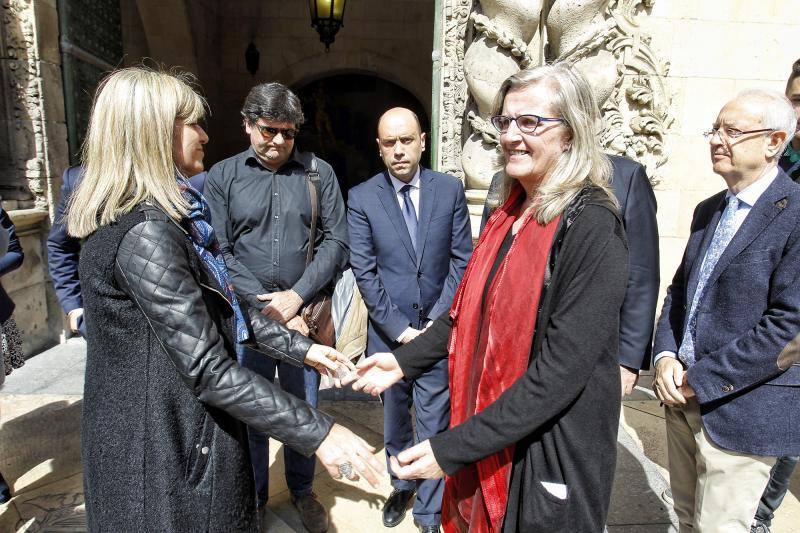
(342, 114)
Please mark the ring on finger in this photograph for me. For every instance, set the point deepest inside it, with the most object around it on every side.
(346, 470)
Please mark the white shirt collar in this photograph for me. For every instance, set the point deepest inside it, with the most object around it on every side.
(397, 184)
(750, 194)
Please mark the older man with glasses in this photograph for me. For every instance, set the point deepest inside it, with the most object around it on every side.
(261, 206)
(727, 363)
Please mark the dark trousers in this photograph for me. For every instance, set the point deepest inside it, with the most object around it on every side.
(302, 383)
(431, 398)
(779, 478)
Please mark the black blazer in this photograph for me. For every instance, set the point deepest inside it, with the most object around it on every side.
(637, 205)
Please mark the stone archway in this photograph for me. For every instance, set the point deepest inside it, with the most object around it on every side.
(341, 113)
(370, 63)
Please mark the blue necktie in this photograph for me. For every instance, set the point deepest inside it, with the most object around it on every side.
(409, 215)
(722, 236)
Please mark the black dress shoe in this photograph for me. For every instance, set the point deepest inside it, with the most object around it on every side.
(394, 510)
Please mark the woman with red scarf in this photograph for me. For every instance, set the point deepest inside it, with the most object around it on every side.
(532, 334)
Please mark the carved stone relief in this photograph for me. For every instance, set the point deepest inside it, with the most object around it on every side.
(32, 95)
(602, 38)
(454, 85)
(32, 156)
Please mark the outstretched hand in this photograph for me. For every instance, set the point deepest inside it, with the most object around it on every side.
(417, 462)
(343, 446)
(330, 362)
(375, 374)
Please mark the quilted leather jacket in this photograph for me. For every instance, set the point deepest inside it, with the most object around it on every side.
(164, 441)
(153, 268)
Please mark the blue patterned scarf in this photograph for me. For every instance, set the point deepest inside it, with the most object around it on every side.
(205, 243)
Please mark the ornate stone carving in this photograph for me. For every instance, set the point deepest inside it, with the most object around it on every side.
(503, 38)
(636, 106)
(26, 176)
(602, 38)
(32, 138)
(454, 86)
(503, 30)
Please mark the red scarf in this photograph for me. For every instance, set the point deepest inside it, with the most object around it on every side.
(490, 351)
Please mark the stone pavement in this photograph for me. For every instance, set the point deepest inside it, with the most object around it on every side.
(40, 408)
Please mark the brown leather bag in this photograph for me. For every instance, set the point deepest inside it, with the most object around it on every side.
(317, 313)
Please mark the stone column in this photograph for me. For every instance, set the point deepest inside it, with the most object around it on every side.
(503, 29)
(33, 142)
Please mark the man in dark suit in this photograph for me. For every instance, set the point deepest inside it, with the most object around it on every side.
(637, 204)
(64, 250)
(410, 241)
(727, 351)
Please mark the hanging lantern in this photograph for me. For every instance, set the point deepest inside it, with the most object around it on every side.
(327, 16)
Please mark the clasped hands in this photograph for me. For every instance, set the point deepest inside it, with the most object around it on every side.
(343, 451)
(342, 447)
(670, 384)
(374, 375)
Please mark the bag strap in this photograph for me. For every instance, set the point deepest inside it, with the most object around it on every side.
(312, 178)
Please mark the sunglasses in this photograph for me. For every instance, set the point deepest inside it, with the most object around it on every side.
(269, 133)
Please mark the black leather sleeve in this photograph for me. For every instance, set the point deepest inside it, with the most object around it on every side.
(153, 269)
(271, 338)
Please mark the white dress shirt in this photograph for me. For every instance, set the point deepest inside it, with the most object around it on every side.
(414, 192)
(747, 199)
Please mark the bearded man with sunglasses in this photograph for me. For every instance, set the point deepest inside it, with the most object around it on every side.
(261, 210)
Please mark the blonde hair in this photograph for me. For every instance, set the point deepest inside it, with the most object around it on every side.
(127, 155)
(580, 165)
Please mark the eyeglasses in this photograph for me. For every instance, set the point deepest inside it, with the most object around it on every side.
(731, 133)
(269, 133)
(525, 123)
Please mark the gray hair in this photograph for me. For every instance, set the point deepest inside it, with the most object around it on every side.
(583, 163)
(777, 112)
(272, 101)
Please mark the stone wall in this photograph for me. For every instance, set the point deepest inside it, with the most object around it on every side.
(34, 146)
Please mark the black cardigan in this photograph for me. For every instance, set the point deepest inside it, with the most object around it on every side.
(563, 413)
